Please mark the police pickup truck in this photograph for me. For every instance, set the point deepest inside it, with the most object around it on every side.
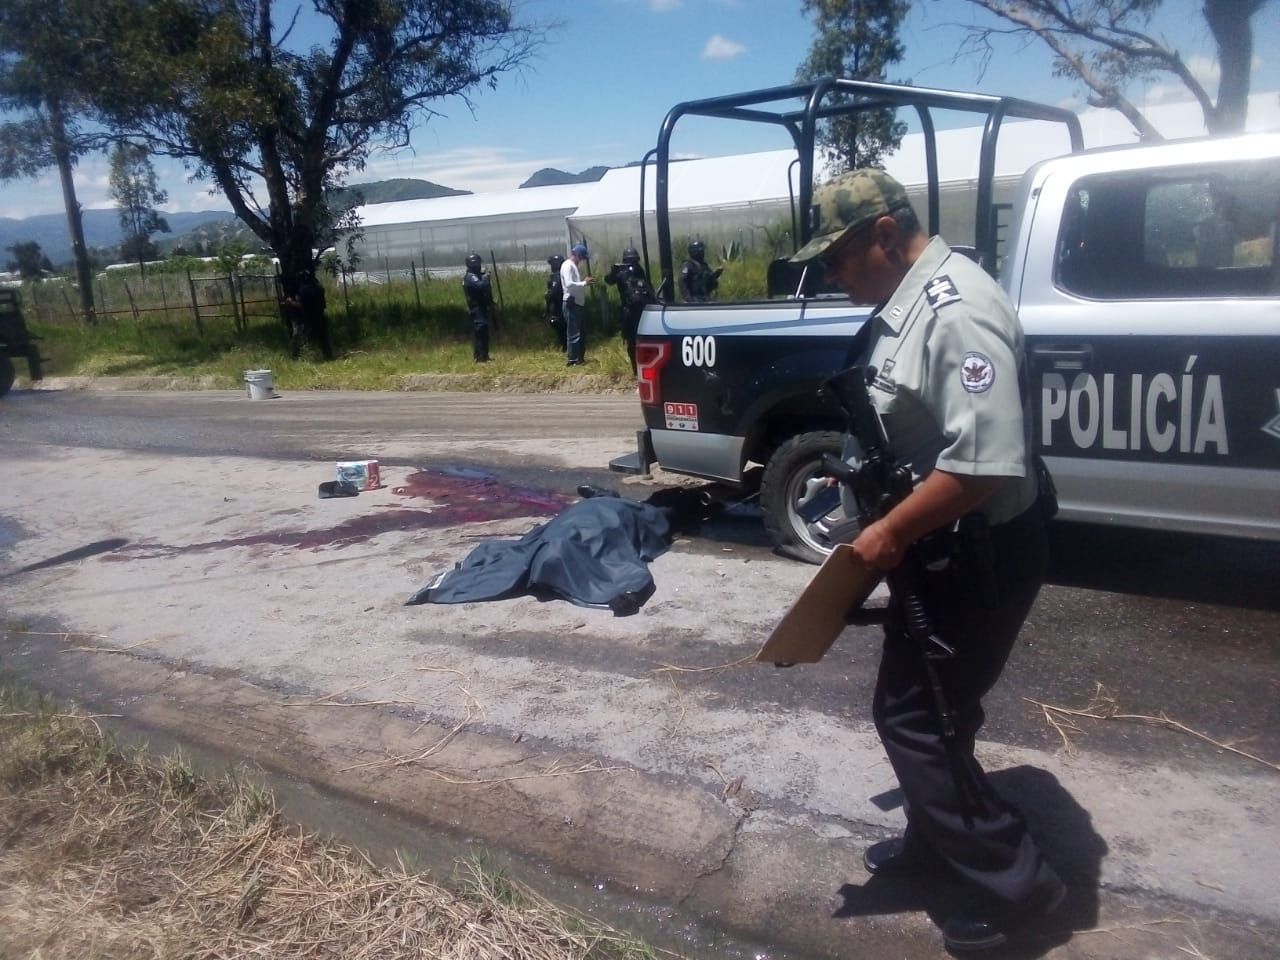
(1149, 291)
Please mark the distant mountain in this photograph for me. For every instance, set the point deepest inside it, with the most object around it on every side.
(101, 229)
(388, 191)
(550, 177)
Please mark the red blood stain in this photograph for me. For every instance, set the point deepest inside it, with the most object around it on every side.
(458, 497)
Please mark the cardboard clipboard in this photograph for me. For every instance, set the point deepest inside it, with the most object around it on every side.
(807, 630)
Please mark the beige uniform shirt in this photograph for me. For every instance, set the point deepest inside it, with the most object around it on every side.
(948, 351)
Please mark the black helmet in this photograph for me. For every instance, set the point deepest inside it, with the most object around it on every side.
(556, 261)
(697, 249)
(474, 262)
(630, 255)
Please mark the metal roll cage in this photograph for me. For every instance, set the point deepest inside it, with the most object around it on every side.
(802, 125)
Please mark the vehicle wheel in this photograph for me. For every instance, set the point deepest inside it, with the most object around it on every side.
(6, 375)
(793, 475)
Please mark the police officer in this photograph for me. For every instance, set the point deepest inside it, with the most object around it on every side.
(948, 353)
(634, 290)
(698, 281)
(479, 292)
(555, 299)
(302, 306)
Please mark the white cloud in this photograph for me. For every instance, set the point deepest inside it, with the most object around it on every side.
(722, 48)
(663, 6)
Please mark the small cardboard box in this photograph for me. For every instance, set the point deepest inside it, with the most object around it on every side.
(819, 615)
(363, 473)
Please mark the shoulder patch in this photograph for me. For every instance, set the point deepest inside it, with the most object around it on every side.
(977, 372)
(940, 291)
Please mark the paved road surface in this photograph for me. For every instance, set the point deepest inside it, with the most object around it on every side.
(185, 527)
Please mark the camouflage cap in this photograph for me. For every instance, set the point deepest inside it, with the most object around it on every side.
(848, 203)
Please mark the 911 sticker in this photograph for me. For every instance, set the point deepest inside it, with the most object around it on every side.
(681, 416)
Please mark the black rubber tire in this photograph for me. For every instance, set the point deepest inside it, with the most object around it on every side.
(792, 473)
(7, 374)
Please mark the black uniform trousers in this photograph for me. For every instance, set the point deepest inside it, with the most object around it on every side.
(978, 606)
(479, 335)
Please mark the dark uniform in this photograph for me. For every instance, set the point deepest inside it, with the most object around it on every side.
(698, 281)
(479, 292)
(635, 292)
(555, 299)
(302, 307)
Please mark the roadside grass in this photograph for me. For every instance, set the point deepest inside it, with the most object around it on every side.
(387, 336)
(112, 853)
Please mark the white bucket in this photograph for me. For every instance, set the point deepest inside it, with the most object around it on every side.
(259, 384)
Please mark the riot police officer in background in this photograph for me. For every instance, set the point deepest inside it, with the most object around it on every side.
(475, 284)
(697, 280)
(634, 290)
(555, 299)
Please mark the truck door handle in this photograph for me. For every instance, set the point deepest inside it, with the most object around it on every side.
(1064, 357)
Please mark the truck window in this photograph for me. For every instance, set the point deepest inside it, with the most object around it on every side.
(1172, 234)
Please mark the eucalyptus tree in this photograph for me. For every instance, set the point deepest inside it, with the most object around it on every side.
(858, 40)
(137, 193)
(1112, 45)
(275, 104)
(40, 69)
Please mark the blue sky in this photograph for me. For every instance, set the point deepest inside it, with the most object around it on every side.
(598, 90)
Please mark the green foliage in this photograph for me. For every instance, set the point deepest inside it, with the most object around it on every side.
(134, 188)
(856, 40)
(215, 86)
(1111, 46)
(28, 260)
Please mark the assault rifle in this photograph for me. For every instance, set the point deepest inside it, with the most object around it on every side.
(878, 485)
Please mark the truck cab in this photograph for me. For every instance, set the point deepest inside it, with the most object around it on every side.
(1145, 278)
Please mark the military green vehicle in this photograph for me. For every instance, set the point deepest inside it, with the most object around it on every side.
(15, 341)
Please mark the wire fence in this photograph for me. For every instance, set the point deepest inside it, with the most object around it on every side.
(177, 298)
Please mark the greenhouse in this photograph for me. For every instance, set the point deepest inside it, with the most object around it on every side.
(513, 226)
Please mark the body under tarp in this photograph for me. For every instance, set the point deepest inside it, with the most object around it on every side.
(594, 553)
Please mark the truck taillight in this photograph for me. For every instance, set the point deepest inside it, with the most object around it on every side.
(651, 357)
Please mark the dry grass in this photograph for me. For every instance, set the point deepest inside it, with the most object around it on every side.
(109, 854)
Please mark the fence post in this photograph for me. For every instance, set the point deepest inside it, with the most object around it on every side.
(235, 311)
(102, 294)
(132, 306)
(71, 311)
(244, 314)
(164, 301)
(195, 305)
(413, 272)
(345, 298)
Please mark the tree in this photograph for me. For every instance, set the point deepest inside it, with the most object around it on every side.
(38, 68)
(1109, 45)
(29, 260)
(217, 84)
(135, 191)
(857, 40)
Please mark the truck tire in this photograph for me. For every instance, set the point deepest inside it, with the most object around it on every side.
(7, 374)
(792, 475)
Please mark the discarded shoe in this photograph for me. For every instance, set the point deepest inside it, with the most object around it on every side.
(338, 488)
(976, 932)
(586, 491)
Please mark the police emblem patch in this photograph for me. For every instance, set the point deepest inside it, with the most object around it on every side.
(941, 290)
(977, 373)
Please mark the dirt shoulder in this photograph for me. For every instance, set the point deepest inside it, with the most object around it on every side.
(212, 597)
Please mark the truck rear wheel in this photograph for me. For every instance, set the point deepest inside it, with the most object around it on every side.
(793, 475)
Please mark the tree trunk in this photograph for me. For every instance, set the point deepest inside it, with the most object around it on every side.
(1229, 22)
(75, 221)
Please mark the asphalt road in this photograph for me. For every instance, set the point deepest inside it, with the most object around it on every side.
(1153, 624)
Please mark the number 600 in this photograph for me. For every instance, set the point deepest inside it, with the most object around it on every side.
(698, 351)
